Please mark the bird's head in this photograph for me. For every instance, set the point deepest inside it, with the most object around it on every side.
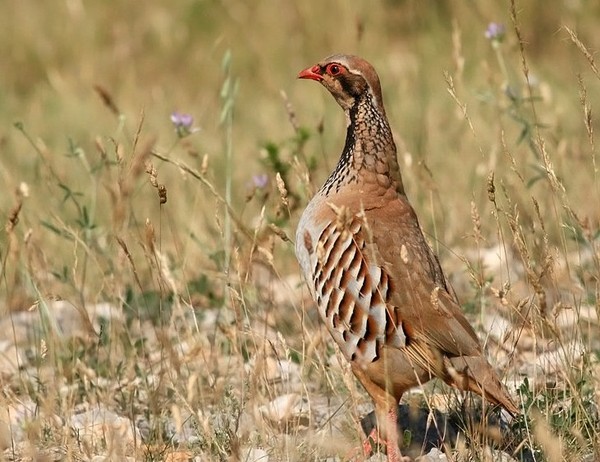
(348, 78)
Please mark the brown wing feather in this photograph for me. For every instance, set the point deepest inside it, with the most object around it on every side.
(420, 294)
(439, 337)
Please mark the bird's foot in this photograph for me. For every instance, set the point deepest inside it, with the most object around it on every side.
(362, 453)
(369, 446)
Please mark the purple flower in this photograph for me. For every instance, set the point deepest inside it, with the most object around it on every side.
(183, 124)
(495, 32)
(260, 181)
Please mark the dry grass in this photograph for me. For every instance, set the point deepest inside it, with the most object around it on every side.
(148, 281)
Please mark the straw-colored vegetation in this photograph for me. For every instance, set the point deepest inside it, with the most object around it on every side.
(151, 305)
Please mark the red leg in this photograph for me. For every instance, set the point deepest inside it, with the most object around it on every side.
(367, 446)
(391, 442)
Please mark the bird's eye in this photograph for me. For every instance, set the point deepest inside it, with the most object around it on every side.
(334, 69)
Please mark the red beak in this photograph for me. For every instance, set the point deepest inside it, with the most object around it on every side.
(311, 73)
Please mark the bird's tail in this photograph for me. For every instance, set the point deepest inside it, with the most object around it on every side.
(474, 373)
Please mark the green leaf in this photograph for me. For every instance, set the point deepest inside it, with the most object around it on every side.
(56, 230)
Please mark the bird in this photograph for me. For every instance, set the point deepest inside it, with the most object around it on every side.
(378, 286)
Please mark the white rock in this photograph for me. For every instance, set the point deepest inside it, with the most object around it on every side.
(566, 318)
(274, 370)
(254, 455)
(556, 360)
(286, 408)
(105, 311)
(10, 358)
(6, 438)
(15, 418)
(100, 426)
(18, 327)
(497, 327)
(435, 455)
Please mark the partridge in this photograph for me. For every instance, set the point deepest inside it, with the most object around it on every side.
(378, 286)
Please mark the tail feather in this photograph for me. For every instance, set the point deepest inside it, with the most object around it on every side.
(474, 373)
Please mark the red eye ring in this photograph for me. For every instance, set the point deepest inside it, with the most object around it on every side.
(334, 69)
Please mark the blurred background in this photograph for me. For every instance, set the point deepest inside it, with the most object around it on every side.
(495, 127)
(153, 59)
(156, 58)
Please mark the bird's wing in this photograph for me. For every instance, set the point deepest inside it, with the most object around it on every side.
(421, 302)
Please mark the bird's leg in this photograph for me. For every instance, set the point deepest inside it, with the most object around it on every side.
(388, 425)
(385, 432)
(376, 439)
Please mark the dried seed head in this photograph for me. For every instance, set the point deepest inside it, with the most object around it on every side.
(320, 252)
(150, 235)
(13, 216)
(290, 111)
(435, 300)
(476, 219)
(107, 99)
(404, 254)
(491, 188)
(279, 232)
(267, 254)
(283, 193)
(161, 188)
(23, 190)
(162, 194)
(150, 170)
(119, 152)
(204, 165)
(43, 349)
(100, 147)
(343, 217)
